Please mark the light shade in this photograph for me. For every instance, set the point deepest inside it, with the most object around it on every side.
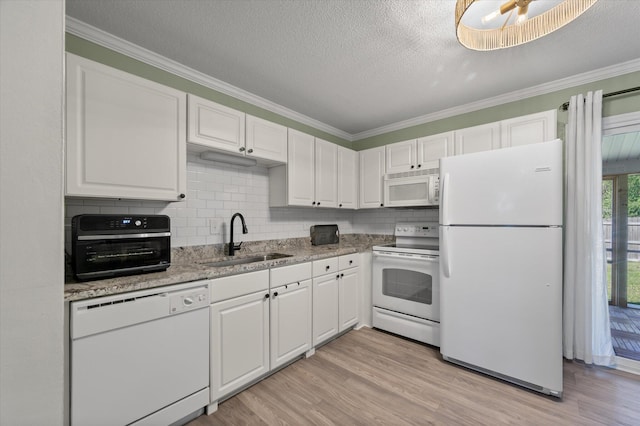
(227, 158)
(475, 35)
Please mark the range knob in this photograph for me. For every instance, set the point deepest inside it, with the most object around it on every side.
(138, 223)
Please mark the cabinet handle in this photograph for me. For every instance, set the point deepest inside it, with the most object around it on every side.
(266, 296)
(241, 149)
(182, 196)
(412, 166)
(250, 150)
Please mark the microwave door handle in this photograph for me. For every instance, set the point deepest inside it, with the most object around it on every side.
(432, 189)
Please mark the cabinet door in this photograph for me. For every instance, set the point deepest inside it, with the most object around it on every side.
(401, 157)
(348, 301)
(266, 140)
(371, 173)
(533, 128)
(216, 126)
(326, 177)
(290, 322)
(300, 169)
(479, 138)
(239, 342)
(325, 307)
(347, 178)
(432, 148)
(125, 135)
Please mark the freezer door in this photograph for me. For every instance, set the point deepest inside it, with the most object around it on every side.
(512, 186)
(501, 301)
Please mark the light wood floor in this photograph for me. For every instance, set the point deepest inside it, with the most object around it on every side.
(370, 377)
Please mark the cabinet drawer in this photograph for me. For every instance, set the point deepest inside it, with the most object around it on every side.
(289, 274)
(349, 261)
(325, 266)
(239, 285)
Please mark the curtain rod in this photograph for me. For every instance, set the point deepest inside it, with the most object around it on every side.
(565, 106)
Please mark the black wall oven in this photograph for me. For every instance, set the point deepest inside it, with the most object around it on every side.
(105, 246)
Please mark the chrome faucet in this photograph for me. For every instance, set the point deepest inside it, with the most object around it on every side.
(234, 247)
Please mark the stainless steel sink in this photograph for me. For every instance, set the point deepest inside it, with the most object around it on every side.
(250, 259)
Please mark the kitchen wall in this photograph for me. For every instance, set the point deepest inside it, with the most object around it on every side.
(31, 257)
(216, 190)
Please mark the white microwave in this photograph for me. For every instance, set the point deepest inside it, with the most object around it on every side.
(412, 189)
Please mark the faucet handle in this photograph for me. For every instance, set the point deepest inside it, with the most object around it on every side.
(237, 246)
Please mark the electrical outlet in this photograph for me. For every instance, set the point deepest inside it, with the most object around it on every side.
(215, 225)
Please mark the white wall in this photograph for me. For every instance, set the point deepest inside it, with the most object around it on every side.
(215, 191)
(31, 212)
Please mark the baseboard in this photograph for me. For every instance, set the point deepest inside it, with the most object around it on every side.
(628, 365)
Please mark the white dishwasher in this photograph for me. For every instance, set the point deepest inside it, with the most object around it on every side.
(140, 358)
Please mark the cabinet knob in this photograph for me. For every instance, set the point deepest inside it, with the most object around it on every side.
(241, 149)
(318, 202)
(381, 205)
(338, 277)
(182, 196)
(266, 296)
(412, 166)
(350, 262)
(275, 294)
(419, 165)
(341, 275)
(327, 267)
(313, 203)
(250, 150)
(339, 205)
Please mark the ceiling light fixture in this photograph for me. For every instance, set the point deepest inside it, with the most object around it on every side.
(478, 28)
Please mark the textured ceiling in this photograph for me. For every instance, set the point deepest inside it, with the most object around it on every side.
(358, 65)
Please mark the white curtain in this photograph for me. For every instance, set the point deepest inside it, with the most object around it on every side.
(587, 335)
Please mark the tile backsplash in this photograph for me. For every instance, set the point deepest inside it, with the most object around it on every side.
(215, 191)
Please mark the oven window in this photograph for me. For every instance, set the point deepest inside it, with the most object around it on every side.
(408, 285)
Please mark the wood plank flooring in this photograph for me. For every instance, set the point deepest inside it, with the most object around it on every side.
(370, 377)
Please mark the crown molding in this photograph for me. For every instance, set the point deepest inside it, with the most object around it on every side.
(102, 38)
(542, 89)
(105, 39)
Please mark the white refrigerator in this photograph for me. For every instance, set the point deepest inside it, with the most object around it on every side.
(501, 263)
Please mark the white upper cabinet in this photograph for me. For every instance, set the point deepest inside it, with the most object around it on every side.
(266, 140)
(310, 177)
(478, 138)
(401, 156)
(326, 176)
(216, 126)
(532, 128)
(372, 163)
(431, 148)
(126, 136)
(347, 178)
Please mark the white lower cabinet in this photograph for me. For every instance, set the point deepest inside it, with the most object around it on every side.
(239, 331)
(335, 296)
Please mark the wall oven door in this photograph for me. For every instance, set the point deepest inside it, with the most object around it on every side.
(407, 283)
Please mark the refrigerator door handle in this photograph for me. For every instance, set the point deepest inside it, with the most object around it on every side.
(444, 198)
(445, 261)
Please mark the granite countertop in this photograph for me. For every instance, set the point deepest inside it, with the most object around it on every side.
(187, 264)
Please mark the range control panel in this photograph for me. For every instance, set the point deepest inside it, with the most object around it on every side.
(417, 229)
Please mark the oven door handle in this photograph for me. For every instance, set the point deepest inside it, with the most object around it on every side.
(404, 255)
(123, 236)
